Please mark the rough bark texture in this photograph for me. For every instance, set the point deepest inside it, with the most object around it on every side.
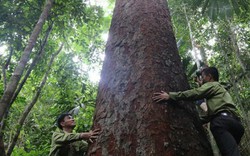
(142, 58)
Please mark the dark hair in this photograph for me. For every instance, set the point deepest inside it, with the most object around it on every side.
(61, 118)
(212, 71)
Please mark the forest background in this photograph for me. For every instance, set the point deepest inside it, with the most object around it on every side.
(62, 71)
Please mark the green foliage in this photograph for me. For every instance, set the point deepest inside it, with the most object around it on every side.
(22, 152)
(222, 9)
(79, 26)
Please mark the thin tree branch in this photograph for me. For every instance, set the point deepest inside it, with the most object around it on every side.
(33, 64)
(33, 102)
(5, 66)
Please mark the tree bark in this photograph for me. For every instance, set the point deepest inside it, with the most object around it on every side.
(5, 66)
(15, 78)
(30, 106)
(142, 58)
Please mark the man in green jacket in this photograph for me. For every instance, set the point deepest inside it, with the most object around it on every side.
(67, 143)
(225, 123)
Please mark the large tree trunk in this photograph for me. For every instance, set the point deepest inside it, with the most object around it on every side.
(16, 76)
(142, 58)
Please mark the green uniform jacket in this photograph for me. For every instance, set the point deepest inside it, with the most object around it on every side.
(67, 144)
(217, 97)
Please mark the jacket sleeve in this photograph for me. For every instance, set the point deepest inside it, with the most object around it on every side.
(61, 137)
(205, 91)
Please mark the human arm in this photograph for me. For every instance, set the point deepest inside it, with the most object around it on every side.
(205, 91)
(61, 137)
(160, 96)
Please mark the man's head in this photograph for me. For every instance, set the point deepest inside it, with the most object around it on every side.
(210, 74)
(65, 120)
